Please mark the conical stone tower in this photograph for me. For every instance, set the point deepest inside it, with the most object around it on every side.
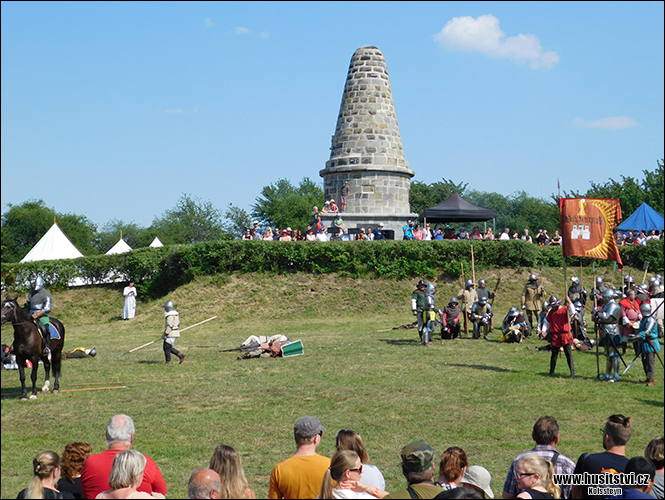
(367, 149)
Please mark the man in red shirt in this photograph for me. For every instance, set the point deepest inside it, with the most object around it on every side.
(557, 326)
(119, 437)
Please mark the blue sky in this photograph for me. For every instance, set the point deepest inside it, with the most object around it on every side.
(113, 110)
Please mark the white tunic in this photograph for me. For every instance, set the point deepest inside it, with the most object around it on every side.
(129, 310)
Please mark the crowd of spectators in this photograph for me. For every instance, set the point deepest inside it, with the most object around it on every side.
(122, 472)
(631, 238)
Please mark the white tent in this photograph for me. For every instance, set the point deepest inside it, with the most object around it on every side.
(120, 247)
(54, 245)
(156, 243)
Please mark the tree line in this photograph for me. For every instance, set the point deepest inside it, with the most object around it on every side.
(284, 204)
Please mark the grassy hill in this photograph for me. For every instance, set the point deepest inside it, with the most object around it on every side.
(482, 396)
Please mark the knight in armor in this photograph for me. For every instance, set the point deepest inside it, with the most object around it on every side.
(483, 291)
(649, 344)
(171, 332)
(656, 287)
(39, 304)
(532, 299)
(657, 293)
(577, 292)
(642, 293)
(481, 314)
(608, 319)
(514, 326)
(429, 314)
(418, 305)
(468, 296)
(578, 323)
(597, 292)
(450, 317)
(628, 284)
(558, 328)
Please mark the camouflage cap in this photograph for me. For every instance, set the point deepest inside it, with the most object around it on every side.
(417, 456)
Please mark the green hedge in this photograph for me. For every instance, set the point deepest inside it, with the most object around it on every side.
(160, 270)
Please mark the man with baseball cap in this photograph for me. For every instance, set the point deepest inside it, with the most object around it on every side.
(301, 475)
(418, 469)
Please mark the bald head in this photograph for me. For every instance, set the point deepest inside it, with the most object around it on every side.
(203, 483)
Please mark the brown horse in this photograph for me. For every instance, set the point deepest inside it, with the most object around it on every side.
(28, 346)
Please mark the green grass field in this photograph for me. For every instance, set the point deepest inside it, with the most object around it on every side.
(481, 396)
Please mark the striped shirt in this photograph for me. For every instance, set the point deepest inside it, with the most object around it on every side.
(564, 465)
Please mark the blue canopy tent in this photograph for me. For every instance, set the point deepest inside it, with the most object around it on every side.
(644, 219)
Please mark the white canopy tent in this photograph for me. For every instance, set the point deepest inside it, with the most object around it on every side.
(156, 243)
(120, 247)
(54, 245)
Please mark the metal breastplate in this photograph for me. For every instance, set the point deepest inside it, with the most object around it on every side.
(40, 301)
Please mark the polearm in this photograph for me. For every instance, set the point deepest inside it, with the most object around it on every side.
(466, 314)
(646, 268)
(595, 327)
(160, 338)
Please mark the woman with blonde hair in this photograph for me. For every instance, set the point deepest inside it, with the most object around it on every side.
(268, 234)
(126, 475)
(46, 467)
(227, 463)
(534, 477)
(71, 465)
(351, 440)
(454, 463)
(342, 479)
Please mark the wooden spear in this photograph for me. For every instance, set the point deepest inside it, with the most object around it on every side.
(160, 338)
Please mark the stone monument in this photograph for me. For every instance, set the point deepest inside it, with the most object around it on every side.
(367, 150)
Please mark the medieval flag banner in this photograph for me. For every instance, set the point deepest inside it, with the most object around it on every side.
(586, 227)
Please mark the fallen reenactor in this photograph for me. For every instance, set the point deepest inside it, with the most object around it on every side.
(268, 347)
(514, 327)
(79, 352)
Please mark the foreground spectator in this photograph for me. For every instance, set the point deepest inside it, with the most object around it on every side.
(301, 475)
(226, 462)
(534, 477)
(351, 440)
(546, 435)
(203, 483)
(418, 469)
(616, 434)
(119, 437)
(342, 479)
(126, 475)
(478, 478)
(71, 465)
(46, 467)
(644, 467)
(654, 452)
(454, 463)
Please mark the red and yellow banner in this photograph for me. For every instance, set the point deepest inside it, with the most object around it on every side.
(586, 227)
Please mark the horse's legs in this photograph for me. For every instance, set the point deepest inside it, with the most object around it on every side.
(57, 365)
(47, 375)
(33, 377)
(21, 375)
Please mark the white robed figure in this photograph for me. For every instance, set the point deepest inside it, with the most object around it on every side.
(129, 310)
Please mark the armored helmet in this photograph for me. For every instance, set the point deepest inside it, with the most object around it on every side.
(513, 311)
(39, 283)
(546, 305)
(169, 306)
(533, 277)
(422, 283)
(454, 300)
(628, 279)
(646, 309)
(468, 283)
(599, 280)
(617, 294)
(608, 295)
(642, 288)
(481, 282)
(578, 305)
(657, 283)
(431, 289)
(659, 277)
(575, 280)
(482, 300)
(554, 301)
(652, 279)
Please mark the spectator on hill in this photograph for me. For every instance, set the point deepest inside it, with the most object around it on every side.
(276, 234)
(322, 235)
(449, 234)
(437, 234)
(630, 239)
(286, 235)
(227, 463)
(338, 222)
(333, 206)
(616, 434)
(527, 237)
(297, 235)
(652, 235)
(203, 483)
(345, 235)
(362, 235)
(248, 235)
(542, 238)
(546, 434)
(641, 239)
(515, 236)
(71, 465)
(46, 469)
(407, 230)
(505, 236)
(315, 215)
(535, 478)
(489, 235)
(311, 234)
(257, 229)
(119, 437)
(268, 236)
(478, 478)
(654, 452)
(556, 239)
(377, 232)
(326, 208)
(418, 469)
(343, 195)
(427, 233)
(418, 232)
(454, 463)
(126, 475)
(342, 479)
(351, 440)
(301, 475)
(476, 234)
(462, 235)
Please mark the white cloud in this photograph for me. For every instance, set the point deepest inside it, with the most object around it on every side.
(614, 122)
(241, 31)
(484, 35)
(209, 23)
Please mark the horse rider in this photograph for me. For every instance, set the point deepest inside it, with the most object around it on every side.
(418, 305)
(532, 297)
(577, 292)
(608, 319)
(39, 304)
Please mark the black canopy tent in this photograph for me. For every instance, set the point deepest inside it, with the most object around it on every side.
(457, 209)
